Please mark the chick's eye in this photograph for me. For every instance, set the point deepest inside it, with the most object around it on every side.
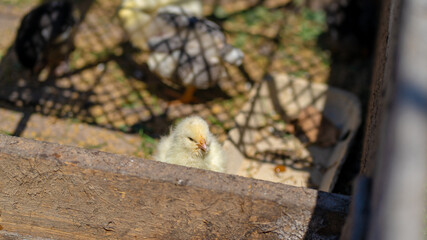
(191, 139)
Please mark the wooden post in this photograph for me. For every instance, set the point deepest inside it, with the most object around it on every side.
(399, 199)
(395, 147)
(381, 88)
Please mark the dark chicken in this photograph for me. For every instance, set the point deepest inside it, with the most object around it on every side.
(46, 36)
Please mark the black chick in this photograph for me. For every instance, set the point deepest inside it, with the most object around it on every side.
(46, 36)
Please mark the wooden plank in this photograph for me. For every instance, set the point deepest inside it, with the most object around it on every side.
(53, 191)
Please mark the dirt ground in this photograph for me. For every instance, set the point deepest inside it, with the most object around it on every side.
(109, 88)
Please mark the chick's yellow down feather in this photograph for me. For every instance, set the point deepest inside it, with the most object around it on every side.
(191, 144)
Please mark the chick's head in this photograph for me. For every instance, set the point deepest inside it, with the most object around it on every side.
(192, 134)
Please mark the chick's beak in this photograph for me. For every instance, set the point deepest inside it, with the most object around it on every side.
(202, 145)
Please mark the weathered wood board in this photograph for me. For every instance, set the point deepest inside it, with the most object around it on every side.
(54, 191)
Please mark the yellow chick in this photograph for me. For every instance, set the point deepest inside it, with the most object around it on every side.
(191, 144)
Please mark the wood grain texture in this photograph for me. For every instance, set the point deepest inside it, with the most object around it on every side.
(53, 191)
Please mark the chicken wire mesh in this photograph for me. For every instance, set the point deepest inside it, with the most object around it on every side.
(327, 119)
(110, 83)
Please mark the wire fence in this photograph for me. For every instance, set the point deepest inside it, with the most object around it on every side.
(116, 76)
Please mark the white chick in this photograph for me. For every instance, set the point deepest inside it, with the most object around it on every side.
(136, 15)
(189, 50)
(191, 144)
